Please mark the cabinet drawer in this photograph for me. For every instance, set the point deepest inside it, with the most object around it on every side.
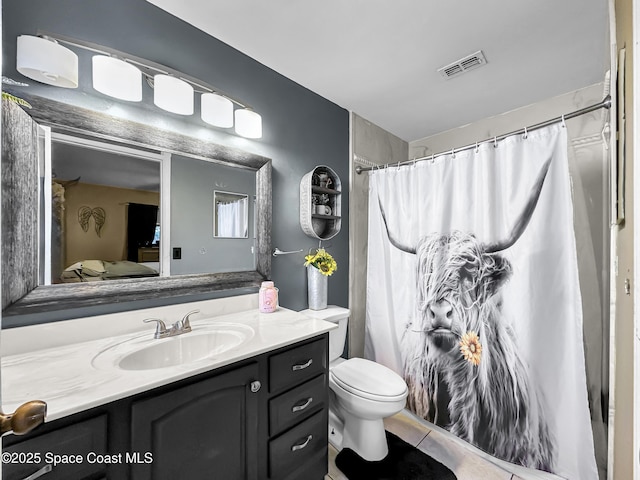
(298, 364)
(75, 441)
(291, 407)
(298, 446)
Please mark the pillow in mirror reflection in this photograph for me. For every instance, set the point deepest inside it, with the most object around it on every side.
(90, 270)
(88, 267)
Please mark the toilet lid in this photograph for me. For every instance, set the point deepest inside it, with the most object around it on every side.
(369, 379)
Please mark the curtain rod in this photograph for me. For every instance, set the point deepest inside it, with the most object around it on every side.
(605, 103)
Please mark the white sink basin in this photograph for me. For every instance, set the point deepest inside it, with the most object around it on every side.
(146, 353)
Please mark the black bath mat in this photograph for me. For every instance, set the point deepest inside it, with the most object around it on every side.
(403, 462)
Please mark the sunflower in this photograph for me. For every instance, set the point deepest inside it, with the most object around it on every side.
(321, 260)
(471, 348)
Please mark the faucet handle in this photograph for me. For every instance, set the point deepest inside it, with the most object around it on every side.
(186, 326)
(161, 328)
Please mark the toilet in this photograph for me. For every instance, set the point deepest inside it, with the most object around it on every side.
(363, 393)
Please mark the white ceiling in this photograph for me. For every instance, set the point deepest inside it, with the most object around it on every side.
(100, 167)
(379, 58)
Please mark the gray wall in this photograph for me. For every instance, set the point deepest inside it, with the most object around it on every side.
(300, 128)
(192, 185)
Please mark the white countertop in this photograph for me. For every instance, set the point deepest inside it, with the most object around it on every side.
(68, 379)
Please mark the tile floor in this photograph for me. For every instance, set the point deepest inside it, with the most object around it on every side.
(465, 464)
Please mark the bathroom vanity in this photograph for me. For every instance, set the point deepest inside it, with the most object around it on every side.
(255, 411)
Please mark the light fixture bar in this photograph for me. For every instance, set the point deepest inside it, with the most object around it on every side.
(149, 69)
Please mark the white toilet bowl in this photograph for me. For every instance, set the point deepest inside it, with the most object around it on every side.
(364, 394)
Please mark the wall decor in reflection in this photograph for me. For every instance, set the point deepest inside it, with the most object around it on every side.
(230, 215)
(99, 216)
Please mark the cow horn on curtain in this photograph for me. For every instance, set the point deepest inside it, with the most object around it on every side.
(141, 226)
(487, 334)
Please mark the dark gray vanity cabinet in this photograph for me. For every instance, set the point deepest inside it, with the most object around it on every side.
(298, 411)
(75, 451)
(264, 418)
(207, 429)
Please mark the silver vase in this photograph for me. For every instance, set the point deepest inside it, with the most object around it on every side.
(317, 288)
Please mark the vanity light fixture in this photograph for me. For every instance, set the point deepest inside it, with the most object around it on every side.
(172, 94)
(45, 60)
(120, 75)
(117, 78)
(216, 110)
(248, 123)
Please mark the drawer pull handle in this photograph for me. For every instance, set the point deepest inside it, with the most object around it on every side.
(43, 471)
(298, 408)
(302, 445)
(303, 366)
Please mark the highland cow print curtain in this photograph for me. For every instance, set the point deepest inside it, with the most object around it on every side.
(473, 297)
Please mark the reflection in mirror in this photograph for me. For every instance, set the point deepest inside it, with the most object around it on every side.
(193, 218)
(231, 215)
(104, 211)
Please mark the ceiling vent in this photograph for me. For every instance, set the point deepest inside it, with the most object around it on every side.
(463, 65)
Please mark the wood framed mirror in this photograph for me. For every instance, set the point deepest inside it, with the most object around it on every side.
(21, 292)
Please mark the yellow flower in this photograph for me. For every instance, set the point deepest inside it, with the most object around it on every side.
(471, 348)
(321, 260)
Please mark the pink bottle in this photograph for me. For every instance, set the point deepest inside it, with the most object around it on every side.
(268, 298)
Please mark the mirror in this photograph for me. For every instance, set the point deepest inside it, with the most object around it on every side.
(231, 215)
(106, 221)
(21, 293)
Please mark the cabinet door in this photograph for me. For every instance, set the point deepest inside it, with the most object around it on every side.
(206, 430)
(71, 452)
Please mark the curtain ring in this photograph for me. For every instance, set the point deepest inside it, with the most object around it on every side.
(414, 161)
(453, 153)
(495, 142)
(564, 125)
(526, 134)
(477, 147)
(432, 159)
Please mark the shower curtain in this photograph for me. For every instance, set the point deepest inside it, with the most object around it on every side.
(473, 297)
(232, 219)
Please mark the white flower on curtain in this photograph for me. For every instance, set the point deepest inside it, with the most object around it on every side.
(232, 218)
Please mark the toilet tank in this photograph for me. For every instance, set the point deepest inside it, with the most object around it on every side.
(338, 336)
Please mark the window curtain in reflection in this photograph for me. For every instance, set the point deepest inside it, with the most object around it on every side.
(141, 227)
(231, 219)
(473, 296)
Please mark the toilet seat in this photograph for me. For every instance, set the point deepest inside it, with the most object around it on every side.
(369, 380)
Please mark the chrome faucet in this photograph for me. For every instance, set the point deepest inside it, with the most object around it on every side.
(178, 328)
(183, 326)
